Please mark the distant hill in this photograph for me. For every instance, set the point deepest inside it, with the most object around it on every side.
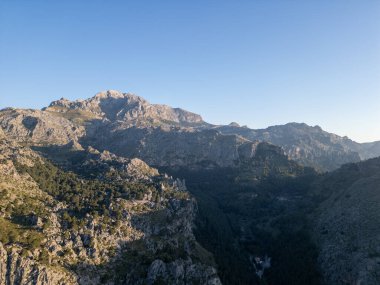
(311, 146)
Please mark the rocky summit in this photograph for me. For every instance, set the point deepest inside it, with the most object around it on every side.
(116, 190)
(116, 106)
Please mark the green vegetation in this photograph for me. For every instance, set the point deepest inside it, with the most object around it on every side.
(237, 221)
(13, 233)
(134, 261)
(83, 195)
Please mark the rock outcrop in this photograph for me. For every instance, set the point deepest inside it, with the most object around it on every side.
(38, 127)
(18, 269)
(108, 225)
(180, 272)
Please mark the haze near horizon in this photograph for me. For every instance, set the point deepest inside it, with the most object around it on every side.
(257, 63)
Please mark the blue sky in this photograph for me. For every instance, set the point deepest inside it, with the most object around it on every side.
(258, 63)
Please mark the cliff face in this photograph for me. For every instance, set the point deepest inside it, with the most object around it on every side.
(310, 146)
(175, 148)
(126, 107)
(38, 127)
(18, 269)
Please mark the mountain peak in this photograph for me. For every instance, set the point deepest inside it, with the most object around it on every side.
(234, 124)
(127, 108)
(100, 96)
(115, 94)
(109, 94)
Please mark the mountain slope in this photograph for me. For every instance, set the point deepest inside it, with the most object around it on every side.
(311, 146)
(347, 224)
(254, 213)
(38, 127)
(134, 110)
(121, 222)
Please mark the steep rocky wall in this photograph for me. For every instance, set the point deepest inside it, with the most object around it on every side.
(38, 127)
(16, 269)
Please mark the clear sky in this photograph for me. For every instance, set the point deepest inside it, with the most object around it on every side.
(258, 63)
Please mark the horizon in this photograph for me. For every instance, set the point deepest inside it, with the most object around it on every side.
(258, 64)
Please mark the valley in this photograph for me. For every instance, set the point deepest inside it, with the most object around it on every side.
(115, 190)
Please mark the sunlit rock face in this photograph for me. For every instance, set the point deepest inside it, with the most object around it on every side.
(129, 108)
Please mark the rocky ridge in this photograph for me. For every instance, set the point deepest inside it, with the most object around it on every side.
(310, 146)
(128, 125)
(134, 110)
(47, 240)
(38, 127)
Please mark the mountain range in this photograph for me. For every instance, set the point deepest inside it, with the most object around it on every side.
(115, 190)
(129, 125)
